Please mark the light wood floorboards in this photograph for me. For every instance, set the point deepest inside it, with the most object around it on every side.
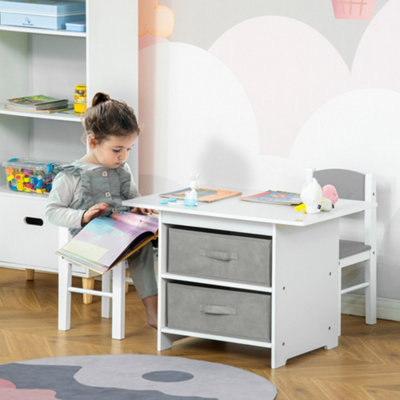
(366, 365)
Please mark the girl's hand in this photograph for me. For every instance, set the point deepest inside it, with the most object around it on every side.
(94, 212)
(143, 210)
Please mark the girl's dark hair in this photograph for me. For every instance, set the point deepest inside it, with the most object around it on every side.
(108, 117)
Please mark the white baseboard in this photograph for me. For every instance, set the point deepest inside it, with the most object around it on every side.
(353, 304)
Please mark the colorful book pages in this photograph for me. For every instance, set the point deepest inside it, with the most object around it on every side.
(275, 197)
(203, 194)
(106, 241)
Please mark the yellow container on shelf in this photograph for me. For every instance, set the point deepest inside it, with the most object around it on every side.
(80, 98)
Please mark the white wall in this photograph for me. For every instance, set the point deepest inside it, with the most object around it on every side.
(251, 93)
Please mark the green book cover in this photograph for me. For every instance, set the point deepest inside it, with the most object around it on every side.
(37, 102)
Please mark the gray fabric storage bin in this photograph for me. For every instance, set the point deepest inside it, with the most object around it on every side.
(224, 312)
(215, 255)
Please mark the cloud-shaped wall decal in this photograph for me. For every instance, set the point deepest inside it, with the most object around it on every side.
(288, 70)
(155, 19)
(195, 111)
(377, 59)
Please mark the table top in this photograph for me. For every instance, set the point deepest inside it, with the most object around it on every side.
(234, 208)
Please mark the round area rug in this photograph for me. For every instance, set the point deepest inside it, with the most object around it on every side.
(129, 377)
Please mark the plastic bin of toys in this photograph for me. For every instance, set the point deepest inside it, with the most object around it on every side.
(28, 175)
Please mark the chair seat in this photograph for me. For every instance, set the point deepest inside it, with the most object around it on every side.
(349, 248)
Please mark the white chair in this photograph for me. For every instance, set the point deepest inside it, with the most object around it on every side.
(114, 292)
(355, 185)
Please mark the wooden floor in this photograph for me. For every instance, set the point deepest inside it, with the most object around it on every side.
(366, 365)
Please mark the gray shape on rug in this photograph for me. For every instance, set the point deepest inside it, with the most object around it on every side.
(170, 378)
(167, 376)
(60, 379)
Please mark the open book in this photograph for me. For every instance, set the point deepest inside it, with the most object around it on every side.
(106, 241)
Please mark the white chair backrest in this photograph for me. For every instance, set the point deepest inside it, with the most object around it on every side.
(353, 185)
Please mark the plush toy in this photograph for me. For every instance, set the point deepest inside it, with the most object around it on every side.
(316, 199)
(329, 192)
(329, 197)
(311, 196)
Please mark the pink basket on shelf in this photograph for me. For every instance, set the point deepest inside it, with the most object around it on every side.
(353, 9)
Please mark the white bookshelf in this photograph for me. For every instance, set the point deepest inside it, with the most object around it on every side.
(40, 61)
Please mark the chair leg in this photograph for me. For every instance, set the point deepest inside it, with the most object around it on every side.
(118, 302)
(64, 295)
(29, 274)
(370, 291)
(106, 301)
(87, 283)
(340, 299)
(127, 275)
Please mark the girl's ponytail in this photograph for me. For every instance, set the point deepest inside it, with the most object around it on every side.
(100, 97)
(108, 117)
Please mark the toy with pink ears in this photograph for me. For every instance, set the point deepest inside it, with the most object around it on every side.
(315, 199)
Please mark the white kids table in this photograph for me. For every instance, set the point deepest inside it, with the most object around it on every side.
(295, 310)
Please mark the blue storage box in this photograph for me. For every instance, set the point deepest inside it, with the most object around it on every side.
(47, 14)
(79, 26)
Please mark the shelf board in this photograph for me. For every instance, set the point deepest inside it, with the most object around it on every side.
(5, 191)
(216, 282)
(250, 342)
(53, 116)
(62, 32)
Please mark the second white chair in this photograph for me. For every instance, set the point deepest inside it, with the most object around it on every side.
(355, 185)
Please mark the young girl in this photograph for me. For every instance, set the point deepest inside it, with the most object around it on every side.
(98, 183)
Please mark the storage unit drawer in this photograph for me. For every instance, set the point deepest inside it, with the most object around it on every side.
(26, 238)
(219, 255)
(221, 312)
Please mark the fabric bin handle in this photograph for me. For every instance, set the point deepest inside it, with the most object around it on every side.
(217, 310)
(218, 255)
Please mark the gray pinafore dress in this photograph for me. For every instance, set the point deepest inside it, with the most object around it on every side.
(112, 186)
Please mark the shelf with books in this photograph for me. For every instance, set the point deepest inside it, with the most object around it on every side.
(57, 116)
(42, 31)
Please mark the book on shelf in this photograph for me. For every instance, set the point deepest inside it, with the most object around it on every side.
(65, 109)
(274, 197)
(36, 103)
(203, 194)
(106, 241)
